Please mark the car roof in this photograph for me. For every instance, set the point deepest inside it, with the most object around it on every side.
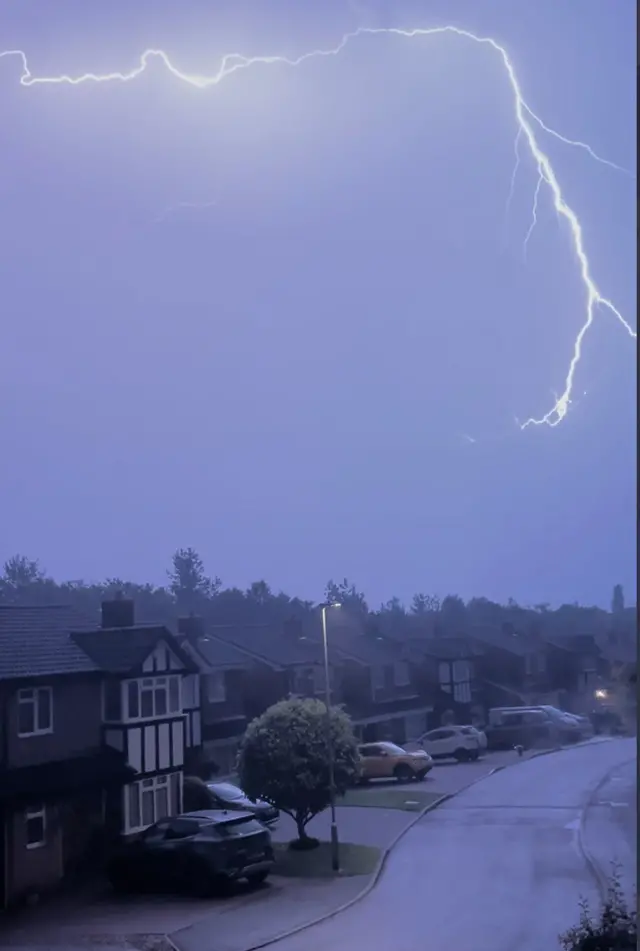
(215, 815)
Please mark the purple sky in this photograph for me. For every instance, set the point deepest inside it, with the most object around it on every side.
(284, 379)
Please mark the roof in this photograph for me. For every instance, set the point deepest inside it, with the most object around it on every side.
(449, 648)
(271, 645)
(35, 641)
(213, 653)
(120, 650)
(516, 643)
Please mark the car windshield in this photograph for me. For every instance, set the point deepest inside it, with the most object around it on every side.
(227, 791)
(392, 748)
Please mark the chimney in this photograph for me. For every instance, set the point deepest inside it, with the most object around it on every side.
(119, 612)
(191, 627)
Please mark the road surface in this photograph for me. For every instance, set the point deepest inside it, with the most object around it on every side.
(498, 867)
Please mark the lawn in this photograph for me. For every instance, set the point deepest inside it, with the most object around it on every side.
(354, 860)
(388, 798)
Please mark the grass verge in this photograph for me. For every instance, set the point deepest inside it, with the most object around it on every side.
(411, 800)
(354, 860)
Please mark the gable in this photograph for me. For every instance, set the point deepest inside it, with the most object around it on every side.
(162, 659)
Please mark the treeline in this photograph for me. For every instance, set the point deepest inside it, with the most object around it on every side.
(190, 589)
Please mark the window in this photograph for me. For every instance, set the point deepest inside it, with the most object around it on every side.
(216, 691)
(35, 711)
(149, 800)
(189, 691)
(377, 678)
(112, 701)
(153, 697)
(460, 671)
(402, 677)
(444, 672)
(36, 827)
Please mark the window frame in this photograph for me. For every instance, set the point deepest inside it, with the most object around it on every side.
(220, 680)
(34, 702)
(152, 685)
(36, 812)
(156, 785)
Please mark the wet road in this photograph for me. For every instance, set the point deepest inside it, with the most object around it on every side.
(610, 828)
(500, 866)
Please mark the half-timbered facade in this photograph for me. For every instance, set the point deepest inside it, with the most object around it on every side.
(148, 676)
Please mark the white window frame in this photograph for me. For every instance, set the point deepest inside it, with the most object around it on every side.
(30, 695)
(151, 684)
(36, 812)
(216, 679)
(151, 783)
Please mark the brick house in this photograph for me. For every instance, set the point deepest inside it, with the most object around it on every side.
(92, 737)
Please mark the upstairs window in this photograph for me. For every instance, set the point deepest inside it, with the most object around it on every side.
(153, 697)
(35, 711)
(216, 689)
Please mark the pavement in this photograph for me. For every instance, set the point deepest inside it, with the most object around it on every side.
(253, 916)
(498, 866)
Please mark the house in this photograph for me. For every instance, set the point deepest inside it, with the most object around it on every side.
(234, 686)
(378, 686)
(450, 665)
(92, 737)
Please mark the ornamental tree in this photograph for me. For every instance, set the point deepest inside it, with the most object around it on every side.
(284, 759)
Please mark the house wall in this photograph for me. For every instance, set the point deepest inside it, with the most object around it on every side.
(77, 721)
(32, 870)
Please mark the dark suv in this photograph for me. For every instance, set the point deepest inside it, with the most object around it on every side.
(198, 852)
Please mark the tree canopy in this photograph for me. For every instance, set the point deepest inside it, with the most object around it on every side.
(284, 758)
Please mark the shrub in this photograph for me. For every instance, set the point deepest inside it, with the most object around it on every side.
(616, 928)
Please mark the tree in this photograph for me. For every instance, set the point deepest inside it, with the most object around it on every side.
(617, 602)
(425, 604)
(188, 581)
(346, 594)
(23, 580)
(284, 759)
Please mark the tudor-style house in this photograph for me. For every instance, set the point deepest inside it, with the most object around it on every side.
(92, 737)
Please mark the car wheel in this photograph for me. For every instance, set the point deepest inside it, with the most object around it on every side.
(475, 754)
(257, 878)
(403, 773)
(461, 755)
(421, 775)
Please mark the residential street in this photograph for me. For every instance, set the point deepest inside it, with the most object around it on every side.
(498, 866)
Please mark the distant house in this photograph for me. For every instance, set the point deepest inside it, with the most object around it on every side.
(92, 737)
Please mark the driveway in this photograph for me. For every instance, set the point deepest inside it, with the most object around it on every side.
(499, 866)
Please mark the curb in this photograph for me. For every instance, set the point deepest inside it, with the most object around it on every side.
(601, 880)
(376, 874)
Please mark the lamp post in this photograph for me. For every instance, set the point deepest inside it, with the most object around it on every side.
(335, 845)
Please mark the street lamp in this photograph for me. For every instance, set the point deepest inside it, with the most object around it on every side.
(335, 845)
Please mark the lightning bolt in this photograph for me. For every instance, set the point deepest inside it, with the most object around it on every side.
(534, 213)
(526, 119)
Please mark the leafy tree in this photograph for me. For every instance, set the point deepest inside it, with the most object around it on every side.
(453, 616)
(23, 580)
(188, 581)
(346, 594)
(284, 759)
(425, 604)
(617, 602)
(616, 928)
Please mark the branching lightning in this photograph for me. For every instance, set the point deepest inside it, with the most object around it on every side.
(526, 119)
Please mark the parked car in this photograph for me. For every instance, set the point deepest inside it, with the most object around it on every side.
(520, 726)
(228, 796)
(388, 761)
(197, 852)
(461, 743)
